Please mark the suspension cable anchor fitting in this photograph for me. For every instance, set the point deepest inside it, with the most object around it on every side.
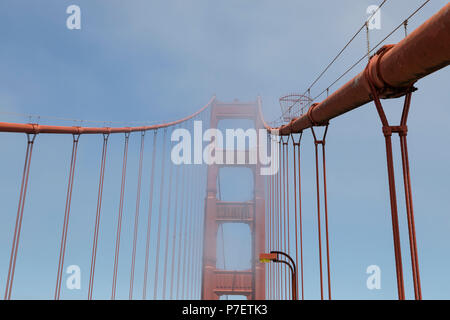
(402, 130)
(373, 74)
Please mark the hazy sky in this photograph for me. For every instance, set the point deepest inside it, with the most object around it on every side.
(151, 61)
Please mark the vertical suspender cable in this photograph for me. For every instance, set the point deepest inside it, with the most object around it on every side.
(274, 222)
(62, 249)
(316, 143)
(387, 131)
(269, 232)
(18, 225)
(149, 217)
(402, 131)
(322, 143)
(169, 199)
(298, 229)
(119, 221)
(277, 224)
(161, 197)
(283, 221)
(196, 234)
(97, 216)
(408, 198)
(273, 237)
(326, 214)
(181, 242)
(136, 216)
(185, 232)
(288, 211)
(280, 221)
(176, 236)
(272, 227)
(189, 237)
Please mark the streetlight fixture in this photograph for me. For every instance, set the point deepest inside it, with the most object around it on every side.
(273, 257)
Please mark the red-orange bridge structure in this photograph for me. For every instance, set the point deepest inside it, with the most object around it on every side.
(180, 225)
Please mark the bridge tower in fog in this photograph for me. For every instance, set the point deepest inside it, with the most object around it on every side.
(217, 282)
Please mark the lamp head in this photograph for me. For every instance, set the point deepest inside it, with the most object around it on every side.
(267, 257)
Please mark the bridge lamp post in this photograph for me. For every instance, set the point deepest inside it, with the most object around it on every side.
(273, 256)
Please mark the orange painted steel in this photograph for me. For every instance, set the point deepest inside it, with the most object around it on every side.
(62, 249)
(119, 219)
(33, 128)
(97, 216)
(160, 215)
(180, 235)
(149, 217)
(402, 130)
(298, 232)
(422, 52)
(250, 282)
(169, 214)
(136, 215)
(176, 219)
(19, 216)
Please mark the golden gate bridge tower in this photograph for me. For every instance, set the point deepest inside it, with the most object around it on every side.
(217, 282)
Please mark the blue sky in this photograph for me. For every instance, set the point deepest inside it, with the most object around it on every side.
(152, 61)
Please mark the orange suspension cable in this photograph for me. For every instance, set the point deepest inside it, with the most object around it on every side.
(119, 222)
(316, 144)
(62, 249)
(136, 216)
(19, 217)
(279, 221)
(284, 222)
(190, 240)
(169, 199)
(197, 235)
(97, 216)
(185, 234)
(181, 243)
(410, 216)
(34, 128)
(149, 217)
(269, 231)
(287, 211)
(402, 130)
(296, 144)
(273, 227)
(158, 237)
(272, 233)
(176, 217)
(318, 220)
